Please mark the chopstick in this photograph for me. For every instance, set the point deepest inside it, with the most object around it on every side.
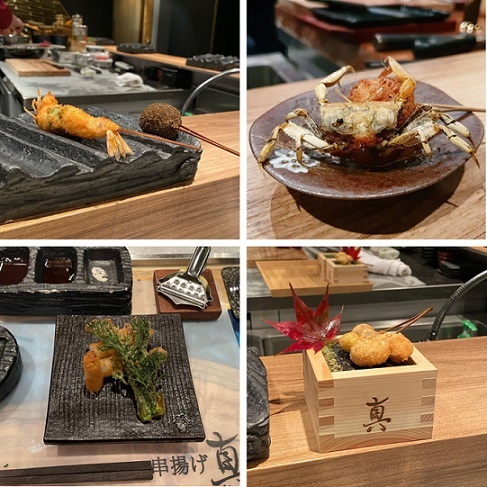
(67, 474)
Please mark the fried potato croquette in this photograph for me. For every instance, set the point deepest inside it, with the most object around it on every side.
(364, 329)
(369, 352)
(347, 340)
(400, 347)
(93, 372)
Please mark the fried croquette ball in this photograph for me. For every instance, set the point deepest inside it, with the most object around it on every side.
(347, 340)
(369, 352)
(343, 258)
(93, 372)
(160, 119)
(400, 347)
(364, 330)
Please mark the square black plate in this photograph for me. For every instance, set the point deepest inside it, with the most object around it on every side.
(75, 416)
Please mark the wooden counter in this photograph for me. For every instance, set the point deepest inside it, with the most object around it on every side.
(451, 209)
(207, 207)
(166, 59)
(455, 456)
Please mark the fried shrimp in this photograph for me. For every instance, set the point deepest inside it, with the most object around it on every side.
(59, 119)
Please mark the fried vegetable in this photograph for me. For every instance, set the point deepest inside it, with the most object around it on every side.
(369, 352)
(400, 347)
(93, 372)
(140, 366)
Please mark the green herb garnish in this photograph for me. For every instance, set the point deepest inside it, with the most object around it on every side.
(140, 365)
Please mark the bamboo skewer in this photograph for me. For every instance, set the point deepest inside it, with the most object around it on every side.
(459, 108)
(402, 326)
(161, 139)
(206, 139)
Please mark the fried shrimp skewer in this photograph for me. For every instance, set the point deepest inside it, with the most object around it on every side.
(59, 119)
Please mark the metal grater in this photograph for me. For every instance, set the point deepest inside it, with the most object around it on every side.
(186, 287)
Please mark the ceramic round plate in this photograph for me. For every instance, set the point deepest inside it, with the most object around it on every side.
(343, 181)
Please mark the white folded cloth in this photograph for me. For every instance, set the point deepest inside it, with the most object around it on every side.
(388, 267)
(129, 79)
(385, 252)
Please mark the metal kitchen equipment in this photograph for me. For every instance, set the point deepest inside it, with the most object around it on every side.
(186, 287)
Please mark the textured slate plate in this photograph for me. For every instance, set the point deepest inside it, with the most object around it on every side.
(75, 416)
(231, 280)
(43, 173)
(10, 363)
(341, 181)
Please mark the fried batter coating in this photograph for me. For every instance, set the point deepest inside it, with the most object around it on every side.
(400, 347)
(347, 340)
(93, 372)
(365, 330)
(95, 347)
(369, 352)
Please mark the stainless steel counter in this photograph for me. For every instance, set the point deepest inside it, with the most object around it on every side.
(101, 91)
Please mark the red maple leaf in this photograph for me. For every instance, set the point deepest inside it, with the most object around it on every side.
(353, 252)
(311, 328)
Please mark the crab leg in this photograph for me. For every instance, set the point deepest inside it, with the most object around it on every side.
(313, 131)
(331, 80)
(301, 135)
(456, 126)
(460, 143)
(409, 83)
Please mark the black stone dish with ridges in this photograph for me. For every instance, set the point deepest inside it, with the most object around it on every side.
(42, 173)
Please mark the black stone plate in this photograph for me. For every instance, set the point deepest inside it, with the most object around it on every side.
(339, 180)
(10, 363)
(101, 281)
(231, 280)
(75, 416)
(42, 173)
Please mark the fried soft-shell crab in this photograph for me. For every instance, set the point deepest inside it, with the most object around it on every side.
(380, 114)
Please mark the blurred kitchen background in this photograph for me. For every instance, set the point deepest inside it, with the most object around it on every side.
(294, 40)
(400, 282)
(175, 46)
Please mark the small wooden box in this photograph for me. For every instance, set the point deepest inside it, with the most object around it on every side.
(187, 312)
(358, 408)
(341, 274)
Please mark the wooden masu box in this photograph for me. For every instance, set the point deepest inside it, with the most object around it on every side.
(367, 407)
(335, 273)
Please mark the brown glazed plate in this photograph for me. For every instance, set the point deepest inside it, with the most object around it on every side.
(110, 416)
(338, 179)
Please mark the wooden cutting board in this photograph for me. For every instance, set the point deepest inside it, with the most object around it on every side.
(165, 305)
(36, 67)
(304, 277)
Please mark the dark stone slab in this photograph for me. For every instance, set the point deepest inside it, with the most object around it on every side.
(42, 173)
(73, 415)
(65, 280)
(10, 363)
(258, 439)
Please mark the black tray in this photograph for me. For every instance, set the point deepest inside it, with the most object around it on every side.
(10, 363)
(75, 416)
(359, 16)
(94, 280)
(42, 173)
(217, 62)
